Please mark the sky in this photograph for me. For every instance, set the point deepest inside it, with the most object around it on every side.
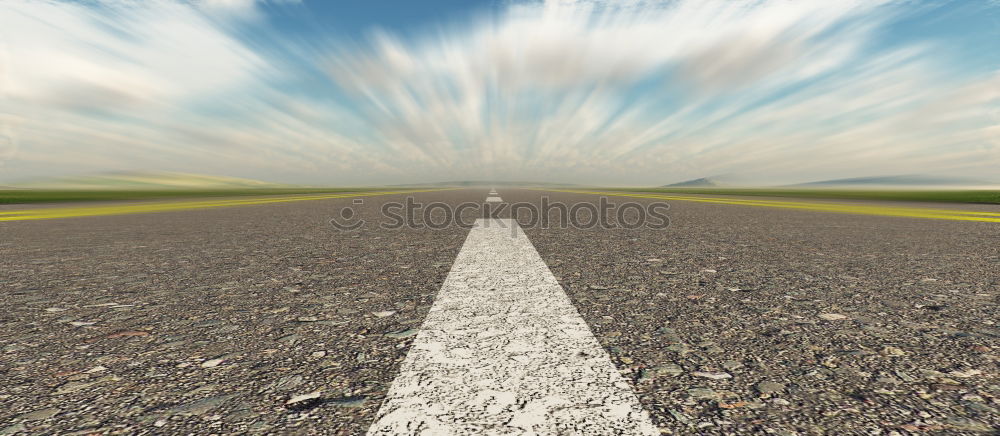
(625, 93)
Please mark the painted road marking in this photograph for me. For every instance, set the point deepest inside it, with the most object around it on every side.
(136, 208)
(493, 199)
(503, 351)
(847, 208)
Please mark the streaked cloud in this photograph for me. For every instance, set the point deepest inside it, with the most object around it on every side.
(636, 92)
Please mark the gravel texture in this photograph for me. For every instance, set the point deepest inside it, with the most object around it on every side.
(743, 320)
(259, 319)
(264, 319)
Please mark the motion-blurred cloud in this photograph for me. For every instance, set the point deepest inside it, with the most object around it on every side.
(638, 92)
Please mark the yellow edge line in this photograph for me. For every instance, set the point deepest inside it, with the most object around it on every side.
(939, 214)
(776, 202)
(55, 213)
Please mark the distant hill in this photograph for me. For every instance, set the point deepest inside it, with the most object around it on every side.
(153, 180)
(703, 182)
(912, 180)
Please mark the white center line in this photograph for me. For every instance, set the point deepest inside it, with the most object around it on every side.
(503, 351)
(493, 199)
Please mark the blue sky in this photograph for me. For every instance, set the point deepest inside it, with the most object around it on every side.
(635, 92)
(356, 18)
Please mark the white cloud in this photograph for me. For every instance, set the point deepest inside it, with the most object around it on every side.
(643, 90)
(123, 53)
(239, 10)
(111, 86)
(639, 92)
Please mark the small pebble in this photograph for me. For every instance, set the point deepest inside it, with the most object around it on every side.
(211, 363)
(767, 387)
(712, 375)
(303, 397)
(893, 351)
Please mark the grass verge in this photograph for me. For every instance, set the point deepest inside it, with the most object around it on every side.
(935, 196)
(28, 196)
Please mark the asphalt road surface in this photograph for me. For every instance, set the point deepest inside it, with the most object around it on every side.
(267, 319)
